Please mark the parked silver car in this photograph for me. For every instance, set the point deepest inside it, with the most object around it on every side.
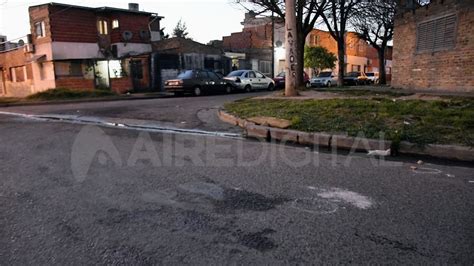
(373, 77)
(324, 79)
(249, 80)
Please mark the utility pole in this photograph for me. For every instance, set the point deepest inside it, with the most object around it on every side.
(290, 45)
(273, 45)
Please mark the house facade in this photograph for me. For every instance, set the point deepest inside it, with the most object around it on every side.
(360, 56)
(252, 47)
(260, 46)
(434, 47)
(173, 55)
(82, 48)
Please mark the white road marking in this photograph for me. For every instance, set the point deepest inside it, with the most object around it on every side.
(353, 198)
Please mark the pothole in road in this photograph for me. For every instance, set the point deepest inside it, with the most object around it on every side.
(206, 195)
(258, 240)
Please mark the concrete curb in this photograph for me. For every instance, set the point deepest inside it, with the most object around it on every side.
(451, 152)
(86, 100)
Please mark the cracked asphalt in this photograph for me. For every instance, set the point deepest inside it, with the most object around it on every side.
(81, 194)
(181, 112)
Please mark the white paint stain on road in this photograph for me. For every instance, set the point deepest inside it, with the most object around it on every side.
(353, 198)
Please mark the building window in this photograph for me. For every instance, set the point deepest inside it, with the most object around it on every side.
(18, 74)
(75, 69)
(115, 24)
(102, 27)
(315, 39)
(355, 68)
(265, 67)
(68, 69)
(436, 34)
(40, 29)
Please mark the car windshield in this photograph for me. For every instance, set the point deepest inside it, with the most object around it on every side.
(324, 74)
(281, 75)
(186, 74)
(369, 74)
(237, 73)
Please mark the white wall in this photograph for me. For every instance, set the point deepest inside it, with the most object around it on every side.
(73, 50)
(132, 48)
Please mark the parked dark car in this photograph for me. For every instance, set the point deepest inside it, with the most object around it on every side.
(198, 82)
(355, 78)
(280, 80)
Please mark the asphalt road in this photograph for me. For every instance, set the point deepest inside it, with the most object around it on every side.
(81, 194)
(180, 112)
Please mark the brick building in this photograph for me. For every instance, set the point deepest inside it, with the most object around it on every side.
(360, 56)
(252, 48)
(83, 48)
(434, 47)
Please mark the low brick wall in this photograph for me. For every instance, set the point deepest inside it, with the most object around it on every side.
(121, 85)
(75, 83)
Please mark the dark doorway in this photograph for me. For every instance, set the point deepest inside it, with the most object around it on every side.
(136, 72)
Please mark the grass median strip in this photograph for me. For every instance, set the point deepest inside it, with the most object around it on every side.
(417, 121)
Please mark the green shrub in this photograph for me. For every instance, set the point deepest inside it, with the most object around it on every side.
(67, 93)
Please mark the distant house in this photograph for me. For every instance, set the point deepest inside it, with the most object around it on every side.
(253, 47)
(175, 54)
(360, 56)
(434, 46)
(83, 48)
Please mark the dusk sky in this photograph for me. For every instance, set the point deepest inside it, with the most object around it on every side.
(206, 20)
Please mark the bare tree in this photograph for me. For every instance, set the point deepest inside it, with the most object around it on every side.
(374, 22)
(336, 18)
(307, 14)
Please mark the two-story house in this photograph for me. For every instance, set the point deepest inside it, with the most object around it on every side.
(83, 48)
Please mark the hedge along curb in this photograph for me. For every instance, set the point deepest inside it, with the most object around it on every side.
(462, 153)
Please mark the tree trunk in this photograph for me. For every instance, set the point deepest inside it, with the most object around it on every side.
(341, 62)
(382, 72)
(301, 41)
(291, 45)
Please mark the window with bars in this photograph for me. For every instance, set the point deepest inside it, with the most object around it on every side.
(265, 67)
(437, 34)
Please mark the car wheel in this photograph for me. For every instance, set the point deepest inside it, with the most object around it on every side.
(329, 84)
(197, 91)
(228, 89)
(248, 88)
(271, 87)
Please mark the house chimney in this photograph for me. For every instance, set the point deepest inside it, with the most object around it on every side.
(133, 7)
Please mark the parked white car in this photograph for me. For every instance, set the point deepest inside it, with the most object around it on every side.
(373, 77)
(249, 80)
(324, 79)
